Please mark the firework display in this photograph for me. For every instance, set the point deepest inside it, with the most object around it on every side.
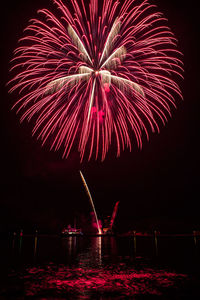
(96, 74)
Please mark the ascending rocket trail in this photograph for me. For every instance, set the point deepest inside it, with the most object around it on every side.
(91, 201)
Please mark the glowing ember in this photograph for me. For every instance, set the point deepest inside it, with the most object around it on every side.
(117, 58)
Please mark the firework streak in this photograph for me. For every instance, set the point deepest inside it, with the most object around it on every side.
(97, 75)
(91, 201)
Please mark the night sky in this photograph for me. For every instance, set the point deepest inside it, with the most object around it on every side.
(158, 187)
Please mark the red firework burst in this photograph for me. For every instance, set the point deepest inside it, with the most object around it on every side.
(97, 74)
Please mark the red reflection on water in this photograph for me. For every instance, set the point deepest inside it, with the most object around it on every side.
(78, 281)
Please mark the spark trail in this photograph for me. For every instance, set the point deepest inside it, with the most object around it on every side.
(91, 201)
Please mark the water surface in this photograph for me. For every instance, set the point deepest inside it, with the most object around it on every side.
(51, 267)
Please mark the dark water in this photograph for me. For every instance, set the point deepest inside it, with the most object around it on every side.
(51, 267)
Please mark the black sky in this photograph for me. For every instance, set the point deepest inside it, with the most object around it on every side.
(157, 187)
